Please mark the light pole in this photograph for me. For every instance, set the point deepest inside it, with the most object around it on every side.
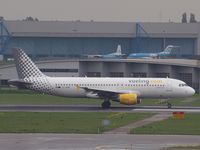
(164, 39)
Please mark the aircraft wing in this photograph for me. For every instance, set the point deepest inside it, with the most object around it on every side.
(123, 55)
(143, 55)
(108, 92)
(94, 56)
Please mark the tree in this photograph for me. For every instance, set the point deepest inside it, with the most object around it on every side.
(184, 18)
(192, 18)
(36, 19)
(1, 17)
(29, 18)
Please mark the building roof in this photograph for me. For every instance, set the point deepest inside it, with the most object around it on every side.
(69, 28)
(172, 62)
(98, 29)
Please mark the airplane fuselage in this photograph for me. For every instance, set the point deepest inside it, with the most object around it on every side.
(143, 87)
(143, 55)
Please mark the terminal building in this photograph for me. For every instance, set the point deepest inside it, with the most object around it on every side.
(57, 47)
(74, 38)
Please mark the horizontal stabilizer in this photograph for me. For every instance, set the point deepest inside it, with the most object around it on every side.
(19, 83)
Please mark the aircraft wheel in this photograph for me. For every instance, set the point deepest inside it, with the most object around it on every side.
(169, 105)
(106, 104)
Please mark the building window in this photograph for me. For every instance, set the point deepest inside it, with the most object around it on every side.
(94, 74)
(59, 70)
(186, 77)
(4, 83)
(116, 74)
(138, 74)
(162, 75)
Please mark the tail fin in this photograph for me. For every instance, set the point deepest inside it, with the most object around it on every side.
(119, 50)
(168, 48)
(25, 67)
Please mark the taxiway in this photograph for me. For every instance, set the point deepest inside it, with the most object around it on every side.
(93, 108)
(93, 141)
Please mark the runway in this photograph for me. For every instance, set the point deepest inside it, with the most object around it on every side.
(93, 141)
(94, 108)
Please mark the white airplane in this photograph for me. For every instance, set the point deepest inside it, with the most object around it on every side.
(128, 91)
(117, 54)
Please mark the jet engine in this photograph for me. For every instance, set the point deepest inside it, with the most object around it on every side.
(128, 99)
(92, 95)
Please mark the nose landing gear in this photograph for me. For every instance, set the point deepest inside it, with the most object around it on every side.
(165, 101)
(169, 105)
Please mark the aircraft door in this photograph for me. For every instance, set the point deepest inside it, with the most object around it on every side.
(169, 86)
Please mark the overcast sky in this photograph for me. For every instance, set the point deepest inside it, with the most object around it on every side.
(100, 10)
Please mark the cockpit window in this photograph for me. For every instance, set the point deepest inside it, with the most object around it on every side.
(182, 85)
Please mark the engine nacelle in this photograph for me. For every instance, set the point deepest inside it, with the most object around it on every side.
(129, 99)
(92, 95)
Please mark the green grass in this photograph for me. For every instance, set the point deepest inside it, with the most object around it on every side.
(39, 99)
(63, 122)
(2, 63)
(183, 148)
(190, 125)
(192, 101)
(29, 97)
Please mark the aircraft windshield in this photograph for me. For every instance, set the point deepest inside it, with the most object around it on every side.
(182, 85)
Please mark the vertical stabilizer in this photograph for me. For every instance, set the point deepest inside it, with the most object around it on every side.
(119, 50)
(169, 48)
(25, 67)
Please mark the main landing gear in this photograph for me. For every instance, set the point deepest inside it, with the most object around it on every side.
(106, 104)
(165, 101)
(169, 105)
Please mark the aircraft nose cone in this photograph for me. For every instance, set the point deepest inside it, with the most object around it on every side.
(191, 91)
